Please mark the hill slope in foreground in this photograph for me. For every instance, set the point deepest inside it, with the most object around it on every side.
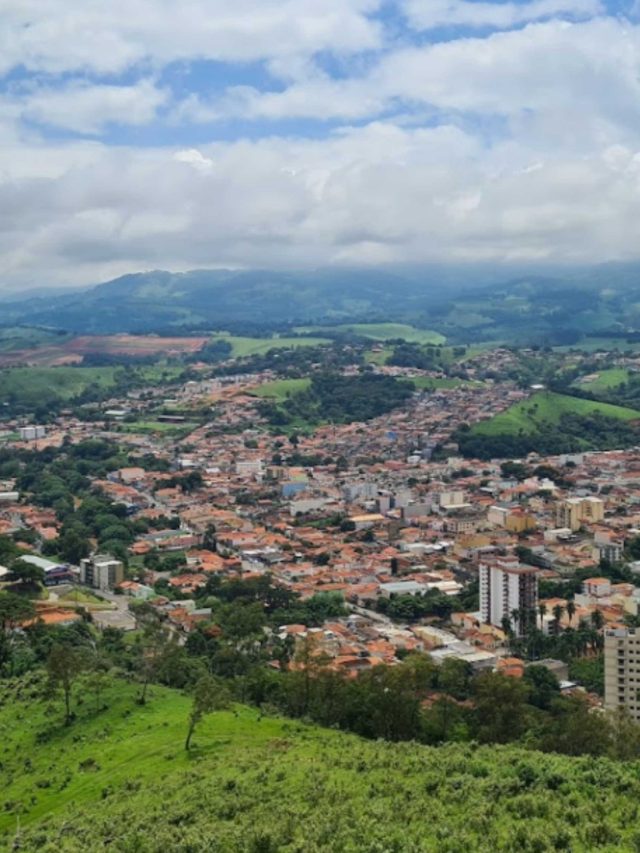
(121, 780)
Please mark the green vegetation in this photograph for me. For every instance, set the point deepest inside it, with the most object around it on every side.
(121, 780)
(551, 423)
(604, 380)
(382, 332)
(281, 389)
(15, 338)
(338, 399)
(32, 385)
(547, 407)
(243, 347)
(430, 383)
(164, 427)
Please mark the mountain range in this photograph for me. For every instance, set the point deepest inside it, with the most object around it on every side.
(463, 302)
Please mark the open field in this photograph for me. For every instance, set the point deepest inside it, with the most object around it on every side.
(49, 349)
(119, 779)
(604, 380)
(243, 347)
(547, 407)
(280, 389)
(164, 427)
(38, 383)
(383, 332)
(135, 345)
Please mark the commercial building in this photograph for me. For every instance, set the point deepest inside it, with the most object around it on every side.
(622, 670)
(508, 590)
(101, 572)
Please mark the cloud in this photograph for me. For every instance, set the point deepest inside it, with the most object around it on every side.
(370, 194)
(347, 141)
(86, 108)
(109, 37)
(430, 14)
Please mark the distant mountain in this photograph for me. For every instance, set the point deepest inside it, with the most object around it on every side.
(218, 298)
(464, 302)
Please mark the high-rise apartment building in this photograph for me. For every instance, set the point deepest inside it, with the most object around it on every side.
(622, 669)
(573, 512)
(508, 590)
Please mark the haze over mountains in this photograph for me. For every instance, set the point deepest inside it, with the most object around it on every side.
(463, 302)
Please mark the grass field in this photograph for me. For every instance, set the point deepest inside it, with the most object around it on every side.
(280, 389)
(164, 427)
(14, 338)
(243, 347)
(383, 332)
(547, 407)
(120, 780)
(36, 383)
(605, 379)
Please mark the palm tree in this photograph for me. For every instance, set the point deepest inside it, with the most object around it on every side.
(542, 609)
(571, 610)
(558, 610)
(597, 620)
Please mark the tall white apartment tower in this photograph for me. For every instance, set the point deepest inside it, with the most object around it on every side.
(506, 587)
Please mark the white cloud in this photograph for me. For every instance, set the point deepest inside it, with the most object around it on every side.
(107, 37)
(429, 14)
(372, 194)
(88, 108)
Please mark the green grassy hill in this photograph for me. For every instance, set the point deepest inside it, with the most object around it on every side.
(604, 380)
(383, 332)
(32, 385)
(120, 780)
(547, 407)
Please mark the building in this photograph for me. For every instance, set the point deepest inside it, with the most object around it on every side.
(622, 670)
(32, 433)
(101, 572)
(506, 589)
(574, 512)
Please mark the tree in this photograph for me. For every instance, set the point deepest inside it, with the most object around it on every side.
(571, 610)
(558, 611)
(14, 609)
(542, 609)
(209, 694)
(26, 574)
(64, 665)
(597, 620)
(501, 711)
(545, 687)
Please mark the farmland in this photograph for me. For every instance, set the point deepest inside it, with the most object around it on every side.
(120, 779)
(48, 349)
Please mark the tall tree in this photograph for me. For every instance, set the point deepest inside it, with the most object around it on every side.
(209, 694)
(64, 664)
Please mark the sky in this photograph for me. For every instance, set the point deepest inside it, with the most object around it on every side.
(144, 134)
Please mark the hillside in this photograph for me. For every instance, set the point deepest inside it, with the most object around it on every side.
(546, 407)
(463, 303)
(121, 780)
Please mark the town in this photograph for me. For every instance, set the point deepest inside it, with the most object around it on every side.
(399, 542)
